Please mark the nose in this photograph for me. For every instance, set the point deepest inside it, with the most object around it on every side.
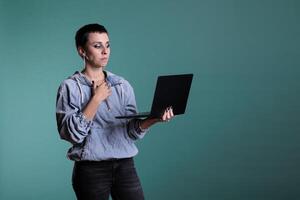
(104, 50)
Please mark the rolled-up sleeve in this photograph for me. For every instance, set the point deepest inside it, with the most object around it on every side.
(71, 123)
(134, 130)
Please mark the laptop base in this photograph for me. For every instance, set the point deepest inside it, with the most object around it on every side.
(137, 115)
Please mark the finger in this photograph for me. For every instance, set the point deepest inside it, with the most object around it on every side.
(101, 84)
(168, 114)
(171, 112)
(164, 116)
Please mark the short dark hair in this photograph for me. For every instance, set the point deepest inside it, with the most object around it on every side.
(82, 34)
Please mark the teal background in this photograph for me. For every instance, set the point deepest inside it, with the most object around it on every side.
(239, 138)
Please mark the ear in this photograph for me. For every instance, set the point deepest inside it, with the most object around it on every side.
(81, 51)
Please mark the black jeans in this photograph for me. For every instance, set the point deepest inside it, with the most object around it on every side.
(96, 180)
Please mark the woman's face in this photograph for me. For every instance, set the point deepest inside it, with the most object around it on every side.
(97, 49)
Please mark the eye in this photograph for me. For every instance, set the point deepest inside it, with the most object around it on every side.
(98, 46)
(108, 45)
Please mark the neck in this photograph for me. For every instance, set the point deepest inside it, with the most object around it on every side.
(94, 74)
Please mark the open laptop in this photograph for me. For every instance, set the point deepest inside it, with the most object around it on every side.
(171, 90)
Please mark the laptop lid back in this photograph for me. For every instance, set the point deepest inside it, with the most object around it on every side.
(171, 90)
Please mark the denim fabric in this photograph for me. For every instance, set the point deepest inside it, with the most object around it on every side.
(96, 180)
(104, 137)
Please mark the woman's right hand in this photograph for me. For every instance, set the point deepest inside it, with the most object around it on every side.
(101, 91)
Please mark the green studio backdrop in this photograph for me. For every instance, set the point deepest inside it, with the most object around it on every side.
(239, 138)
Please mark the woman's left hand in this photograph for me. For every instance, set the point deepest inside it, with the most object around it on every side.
(167, 115)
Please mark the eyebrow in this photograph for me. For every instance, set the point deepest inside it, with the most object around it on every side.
(99, 42)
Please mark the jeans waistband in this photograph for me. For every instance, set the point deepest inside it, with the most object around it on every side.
(103, 161)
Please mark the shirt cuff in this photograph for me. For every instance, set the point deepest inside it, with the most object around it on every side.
(139, 129)
(84, 121)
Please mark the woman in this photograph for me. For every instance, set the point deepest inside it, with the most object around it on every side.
(103, 146)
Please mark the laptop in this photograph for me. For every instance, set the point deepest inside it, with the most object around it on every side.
(171, 90)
